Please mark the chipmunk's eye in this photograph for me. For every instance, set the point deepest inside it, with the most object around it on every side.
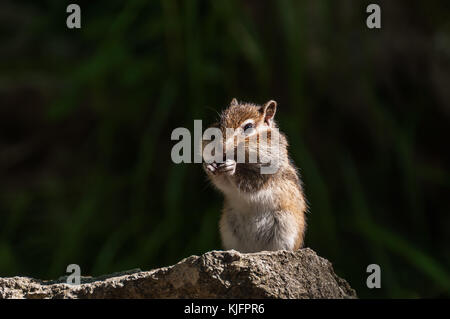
(248, 128)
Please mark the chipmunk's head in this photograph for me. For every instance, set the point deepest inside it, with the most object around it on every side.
(247, 119)
(244, 133)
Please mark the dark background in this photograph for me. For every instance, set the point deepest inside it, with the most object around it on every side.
(86, 117)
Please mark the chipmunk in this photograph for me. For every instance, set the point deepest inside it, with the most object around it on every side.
(261, 211)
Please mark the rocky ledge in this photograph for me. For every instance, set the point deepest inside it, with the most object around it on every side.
(215, 274)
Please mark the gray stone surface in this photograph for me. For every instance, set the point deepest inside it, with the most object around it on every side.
(215, 274)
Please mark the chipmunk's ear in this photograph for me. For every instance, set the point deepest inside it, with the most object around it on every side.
(234, 102)
(269, 110)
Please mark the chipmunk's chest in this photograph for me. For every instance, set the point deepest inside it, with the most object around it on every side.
(257, 231)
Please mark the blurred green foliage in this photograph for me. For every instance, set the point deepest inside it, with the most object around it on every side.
(86, 117)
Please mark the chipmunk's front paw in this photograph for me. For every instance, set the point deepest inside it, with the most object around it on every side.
(228, 168)
(210, 168)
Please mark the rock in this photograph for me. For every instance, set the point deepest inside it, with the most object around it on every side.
(215, 274)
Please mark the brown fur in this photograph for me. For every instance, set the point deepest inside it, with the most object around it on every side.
(284, 185)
